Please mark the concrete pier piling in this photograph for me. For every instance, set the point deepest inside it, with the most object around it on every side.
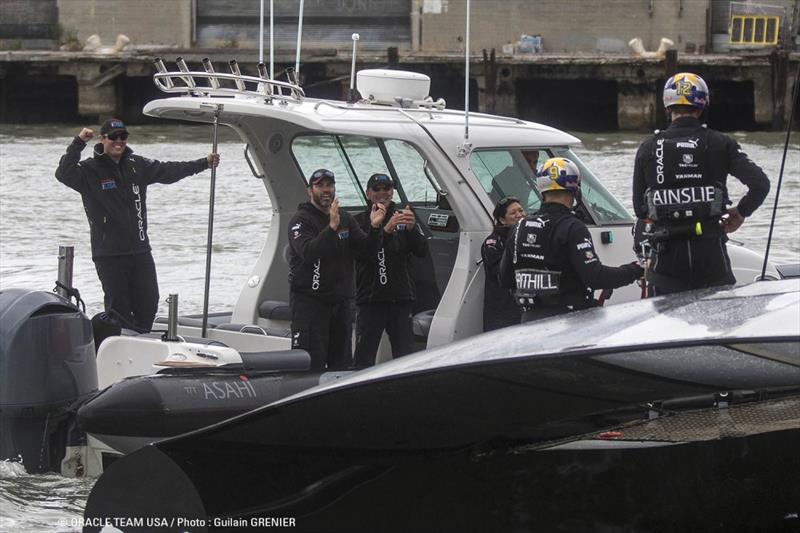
(566, 91)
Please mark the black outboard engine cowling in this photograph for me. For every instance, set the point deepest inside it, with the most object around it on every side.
(47, 367)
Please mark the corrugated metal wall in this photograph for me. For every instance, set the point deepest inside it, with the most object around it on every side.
(326, 23)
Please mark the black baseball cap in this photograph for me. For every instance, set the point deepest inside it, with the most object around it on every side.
(112, 125)
(380, 178)
(319, 175)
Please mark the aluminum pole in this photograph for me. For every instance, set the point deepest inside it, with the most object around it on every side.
(210, 240)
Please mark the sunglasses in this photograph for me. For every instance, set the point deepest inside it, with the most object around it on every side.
(117, 137)
(508, 200)
(380, 188)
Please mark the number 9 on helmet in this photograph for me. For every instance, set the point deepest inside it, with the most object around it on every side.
(686, 88)
(558, 174)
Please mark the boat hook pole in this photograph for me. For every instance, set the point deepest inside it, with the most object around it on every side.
(217, 109)
(780, 174)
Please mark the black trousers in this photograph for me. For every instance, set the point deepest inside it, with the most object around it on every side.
(323, 329)
(681, 265)
(130, 286)
(372, 319)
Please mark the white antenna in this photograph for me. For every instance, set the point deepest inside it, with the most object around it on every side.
(299, 36)
(351, 98)
(464, 149)
(271, 39)
(261, 34)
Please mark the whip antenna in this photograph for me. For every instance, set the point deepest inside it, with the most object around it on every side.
(780, 174)
(299, 36)
(466, 79)
(261, 34)
(271, 38)
(464, 149)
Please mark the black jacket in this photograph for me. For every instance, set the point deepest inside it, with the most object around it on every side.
(499, 307)
(386, 276)
(321, 259)
(568, 249)
(115, 195)
(723, 156)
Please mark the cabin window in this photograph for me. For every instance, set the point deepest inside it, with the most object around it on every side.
(326, 151)
(603, 207)
(409, 167)
(354, 158)
(509, 172)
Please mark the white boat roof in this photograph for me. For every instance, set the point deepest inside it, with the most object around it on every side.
(447, 126)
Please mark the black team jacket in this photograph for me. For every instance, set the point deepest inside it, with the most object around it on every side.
(386, 275)
(321, 259)
(115, 195)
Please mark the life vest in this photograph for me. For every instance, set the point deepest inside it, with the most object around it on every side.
(536, 264)
(683, 191)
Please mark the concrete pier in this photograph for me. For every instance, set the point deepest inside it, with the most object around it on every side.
(574, 92)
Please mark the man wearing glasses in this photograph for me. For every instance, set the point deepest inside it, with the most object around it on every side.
(322, 244)
(385, 290)
(113, 185)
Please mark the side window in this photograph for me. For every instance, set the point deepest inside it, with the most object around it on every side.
(409, 166)
(505, 172)
(601, 204)
(324, 151)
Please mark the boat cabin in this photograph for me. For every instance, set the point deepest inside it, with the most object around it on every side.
(451, 180)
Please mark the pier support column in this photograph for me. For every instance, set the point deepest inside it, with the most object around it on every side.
(497, 93)
(762, 98)
(97, 92)
(636, 106)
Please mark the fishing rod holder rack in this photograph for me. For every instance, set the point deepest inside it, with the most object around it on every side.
(212, 83)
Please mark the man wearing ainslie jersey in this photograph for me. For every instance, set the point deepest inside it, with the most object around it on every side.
(681, 198)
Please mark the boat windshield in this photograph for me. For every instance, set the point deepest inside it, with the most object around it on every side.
(354, 158)
(506, 172)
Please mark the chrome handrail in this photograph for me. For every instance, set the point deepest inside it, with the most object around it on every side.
(260, 87)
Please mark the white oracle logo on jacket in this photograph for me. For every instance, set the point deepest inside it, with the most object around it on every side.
(137, 202)
(316, 276)
(382, 277)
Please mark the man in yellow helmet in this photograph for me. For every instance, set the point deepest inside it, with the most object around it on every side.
(680, 194)
(549, 256)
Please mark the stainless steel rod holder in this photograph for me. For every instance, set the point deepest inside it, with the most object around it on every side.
(236, 72)
(66, 256)
(161, 68)
(263, 73)
(183, 68)
(172, 318)
(214, 82)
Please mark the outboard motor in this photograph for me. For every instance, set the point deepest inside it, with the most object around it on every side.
(47, 368)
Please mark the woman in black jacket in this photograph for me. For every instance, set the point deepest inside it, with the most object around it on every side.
(499, 308)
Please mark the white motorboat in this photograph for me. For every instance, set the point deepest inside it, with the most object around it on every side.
(452, 182)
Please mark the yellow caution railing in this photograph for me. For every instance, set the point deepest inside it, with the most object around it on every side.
(754, 30)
